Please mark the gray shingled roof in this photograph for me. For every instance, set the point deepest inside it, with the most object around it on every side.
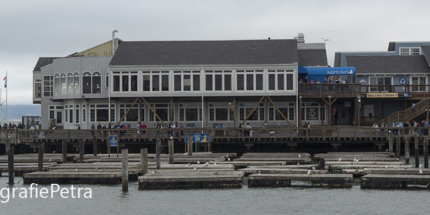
(206, 52)
(426, 53)
(43, 61)
(389, 64)
(312, 57)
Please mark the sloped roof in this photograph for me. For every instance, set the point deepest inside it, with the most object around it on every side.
(206, 52)
(43, 61)
(389, 64)
(426, 53)
(312, 57)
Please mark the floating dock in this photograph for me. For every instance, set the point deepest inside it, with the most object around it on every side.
(393, 181)
(190, 179)
(94, 177)
(279, 170)
(284, 180)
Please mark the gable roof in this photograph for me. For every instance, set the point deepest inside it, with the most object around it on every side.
(206, 52)
(312, 57)
(43, 61)
(426, 52)
(389, 64)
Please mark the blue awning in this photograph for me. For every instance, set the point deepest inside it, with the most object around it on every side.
(327, 70)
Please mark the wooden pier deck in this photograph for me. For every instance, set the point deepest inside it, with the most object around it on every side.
(254, 163)
(279, 170)
(21, 168)
(284, 180)
(393, 181)
(287, 157)
(397, 171)
(191, 179)
(33, 158)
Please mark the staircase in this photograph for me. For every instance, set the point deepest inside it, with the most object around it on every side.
(409, 114)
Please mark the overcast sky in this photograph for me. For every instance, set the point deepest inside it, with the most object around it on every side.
(52, 28)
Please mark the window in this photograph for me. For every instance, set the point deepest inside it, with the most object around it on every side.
(256, 115)
(73, 83)
(125, 81)
(96, 82)
(250, 80)
(419, 81)
(186, 81)
(91, 83)
(56, 113)
(133, 114)
(116, 81)
(107, 79)
(281, 80)
(154, 81)
(163, 111)
(84, 113)
(60, 84)
(190, 112)
(221, 80)
(99, 113)
(220, 112)
(48, 86)
(86, 83)
(410, 51)
(37, 89)
(77, 114)
(383, 84)
(146, 82)
(287, 109)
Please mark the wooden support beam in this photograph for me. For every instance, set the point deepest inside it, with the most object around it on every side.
(128, 110)
(398, 146)
(171, 151)
(390, 142)
(95, 145)
(171, 111)
(81, 151)
(64, 150)
(41, 150)
(124, 160)
(252, 111)
(157, 152)
(152, 110)
(279, 111)
(426, 151)
(234, 112)
(407, 149)
(417, 152)
(143, 161)
(10, 161)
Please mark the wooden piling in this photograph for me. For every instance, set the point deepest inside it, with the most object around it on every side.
(41, 150)
(144, 160)
(158, 151)
(171, 151)
(398, 146)
(81, 151)
(417, 152)
(95, 145)
(209, 147)
(190, 146)
(10, 161)
(64, 150)
(124, 159)
(426, 151)
(407, 149)
(390, 142)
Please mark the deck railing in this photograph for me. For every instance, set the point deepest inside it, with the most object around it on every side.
(353, 90)
(220, 134)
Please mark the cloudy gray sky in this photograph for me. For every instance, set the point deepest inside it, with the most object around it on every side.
(52, 28)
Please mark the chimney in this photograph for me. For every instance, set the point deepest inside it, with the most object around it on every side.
(301, 38)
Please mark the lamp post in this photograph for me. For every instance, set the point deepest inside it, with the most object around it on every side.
(358, 110)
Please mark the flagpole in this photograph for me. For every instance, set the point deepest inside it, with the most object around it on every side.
(6, 95)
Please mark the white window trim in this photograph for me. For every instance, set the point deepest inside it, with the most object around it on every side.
(281, 106)
(370, 86)
(409, 50)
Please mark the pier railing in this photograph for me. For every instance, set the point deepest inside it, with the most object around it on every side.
(218, 134)
(318, 90)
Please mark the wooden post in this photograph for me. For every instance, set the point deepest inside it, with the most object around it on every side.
(417, 152)
(64, 150)
(398, 146)
(95, 145)
(209, 147)
(426, 151)
(155, 113)
(190, 146)
(407, 148)
(143, 161)
(390, 142)
(41, 150)
(124, 159)
(359, 115)
(81, 151)
(171, 151)
(158, 151)
(10, 160)
(255, 107)
(279, 111)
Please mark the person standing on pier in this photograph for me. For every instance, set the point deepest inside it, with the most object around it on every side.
(99, 127)
(92, 128)
(158, 126)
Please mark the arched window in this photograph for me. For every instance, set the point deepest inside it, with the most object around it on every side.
(70, 85)
(63, 84)
(91, 83)
(97, 83)
(76, 83)
(57, 84)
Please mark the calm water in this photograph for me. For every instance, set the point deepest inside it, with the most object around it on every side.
(290, 200)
